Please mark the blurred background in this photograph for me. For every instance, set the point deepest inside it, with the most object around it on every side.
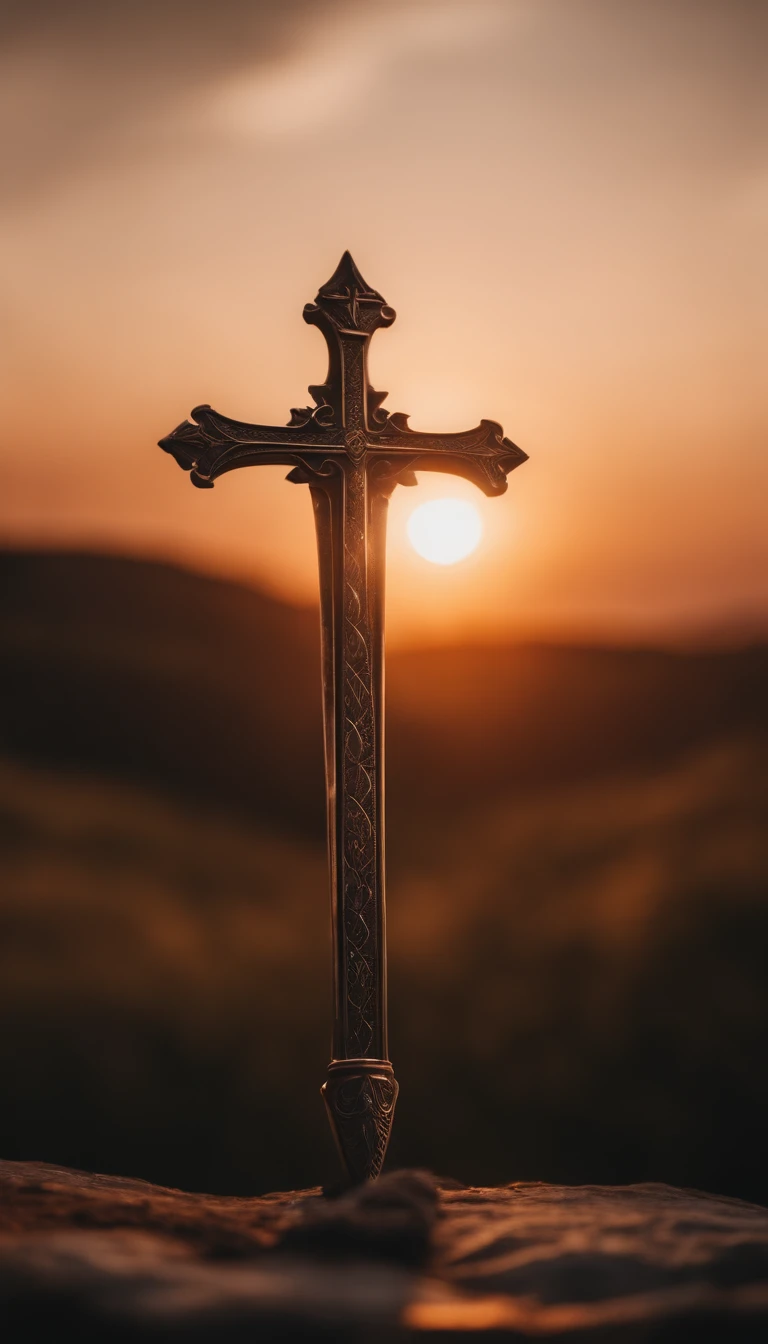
(566, 201)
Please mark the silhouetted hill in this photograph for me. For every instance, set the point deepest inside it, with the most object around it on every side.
(160, 676)
(477, 722)
(210, 690)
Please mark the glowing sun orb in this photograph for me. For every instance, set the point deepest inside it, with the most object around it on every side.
(445, 530)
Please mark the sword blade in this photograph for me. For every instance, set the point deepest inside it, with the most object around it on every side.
(360, 1092)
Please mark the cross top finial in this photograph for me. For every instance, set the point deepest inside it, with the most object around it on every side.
(347, 302)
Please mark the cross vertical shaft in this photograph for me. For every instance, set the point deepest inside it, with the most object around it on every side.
(361, 1090)
(350, 519)
(352, 454)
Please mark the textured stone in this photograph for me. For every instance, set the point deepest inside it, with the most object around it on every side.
(108, 1258)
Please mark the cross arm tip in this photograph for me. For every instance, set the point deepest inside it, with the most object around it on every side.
(181, 445)
(496, 482)
(187, 444)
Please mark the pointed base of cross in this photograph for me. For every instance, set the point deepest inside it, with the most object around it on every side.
(360, 1097)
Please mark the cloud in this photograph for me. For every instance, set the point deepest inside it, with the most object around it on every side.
(91, 81)
(337, 69)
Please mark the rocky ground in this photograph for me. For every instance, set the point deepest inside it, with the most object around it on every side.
(104, 1258)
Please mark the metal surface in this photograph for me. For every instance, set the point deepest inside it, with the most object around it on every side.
(352, 454)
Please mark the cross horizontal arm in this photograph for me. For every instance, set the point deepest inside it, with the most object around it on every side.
(211, 444)
(482, 455)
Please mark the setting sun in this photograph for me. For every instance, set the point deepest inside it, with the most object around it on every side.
(445, 530)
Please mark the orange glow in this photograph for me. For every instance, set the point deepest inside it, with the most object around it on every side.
(564, 203)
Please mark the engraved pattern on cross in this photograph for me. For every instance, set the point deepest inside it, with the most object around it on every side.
(352, 453)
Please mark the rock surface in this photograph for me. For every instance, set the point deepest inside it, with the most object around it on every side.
(106, 1258)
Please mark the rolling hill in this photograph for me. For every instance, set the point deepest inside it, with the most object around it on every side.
(210, 691)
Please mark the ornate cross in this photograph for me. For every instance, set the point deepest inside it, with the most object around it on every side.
(352, 454)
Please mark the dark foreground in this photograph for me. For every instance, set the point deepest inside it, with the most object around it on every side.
(108, 1259)
(577, 869)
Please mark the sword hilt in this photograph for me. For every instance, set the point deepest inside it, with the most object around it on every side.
(360, 1096)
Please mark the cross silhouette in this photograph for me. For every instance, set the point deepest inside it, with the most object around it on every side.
(352, 453)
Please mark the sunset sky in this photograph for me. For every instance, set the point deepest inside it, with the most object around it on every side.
(565, 200)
